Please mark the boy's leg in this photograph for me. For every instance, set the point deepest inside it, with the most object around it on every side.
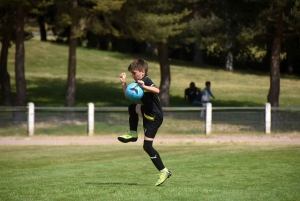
(164, 173)
(154, 156)
(133, 116)
(150, 130)
(132, 136)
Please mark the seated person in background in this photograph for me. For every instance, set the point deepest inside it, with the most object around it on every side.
(191, 93)
(198, 99)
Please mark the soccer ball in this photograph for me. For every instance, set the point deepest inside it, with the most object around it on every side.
(134, 92)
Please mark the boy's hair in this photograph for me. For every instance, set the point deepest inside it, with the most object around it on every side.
(192, 84)
(207, 83)
(138, 64)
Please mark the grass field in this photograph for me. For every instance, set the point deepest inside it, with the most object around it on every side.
(124, 172)
(218, 171)
(97, 78)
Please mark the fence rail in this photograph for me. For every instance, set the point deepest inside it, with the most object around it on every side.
(93, 120)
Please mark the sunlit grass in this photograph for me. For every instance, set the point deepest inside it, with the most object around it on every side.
(125, 172)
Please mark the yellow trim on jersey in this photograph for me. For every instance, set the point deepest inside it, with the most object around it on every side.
(145, 90)
(149, 117)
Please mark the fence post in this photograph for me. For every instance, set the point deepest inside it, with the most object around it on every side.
(208, 119)
(30, 121)
(267, 118)
(91, 117)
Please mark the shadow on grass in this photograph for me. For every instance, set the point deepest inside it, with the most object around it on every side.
(52, 92)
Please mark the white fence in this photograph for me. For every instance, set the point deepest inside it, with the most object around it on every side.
(177, 119)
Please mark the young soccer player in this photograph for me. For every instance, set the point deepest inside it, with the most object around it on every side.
(150, 111)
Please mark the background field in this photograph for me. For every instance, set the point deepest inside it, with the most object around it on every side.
(124, 172)
(216, 171)
(98, 82)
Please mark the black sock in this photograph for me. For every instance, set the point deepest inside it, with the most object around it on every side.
(154, 156)
(133, 117)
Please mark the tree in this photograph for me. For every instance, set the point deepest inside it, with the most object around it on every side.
(6, 33)
(79, 17)
(20, 57)
(69, 14)
(200, 23)
(74, 34)
(43, 12)
(17, 11)
(156, 22)
(101, 18)
(276, 20)
(255, 22)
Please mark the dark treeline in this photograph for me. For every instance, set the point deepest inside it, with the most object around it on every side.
(234, 34)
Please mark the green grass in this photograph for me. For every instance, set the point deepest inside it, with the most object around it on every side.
(125, 172)
(98, 79)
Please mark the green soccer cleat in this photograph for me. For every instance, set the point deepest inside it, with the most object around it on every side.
(132, 136)
(162, 176)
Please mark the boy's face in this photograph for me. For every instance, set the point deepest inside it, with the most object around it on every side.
(137, 75)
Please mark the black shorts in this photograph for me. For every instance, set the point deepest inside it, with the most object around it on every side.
(150, 126)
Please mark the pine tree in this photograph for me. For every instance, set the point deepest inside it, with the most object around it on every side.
(7, 22)
(78, 17)
(156, 22)
(275, 20)
(12, 28)
(43, 12)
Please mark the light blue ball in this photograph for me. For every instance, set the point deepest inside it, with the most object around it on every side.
(134, 92)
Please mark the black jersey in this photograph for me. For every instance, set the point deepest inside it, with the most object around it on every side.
(151, 102)
(191, 93)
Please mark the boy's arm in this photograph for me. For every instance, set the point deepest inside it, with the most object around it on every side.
(123, 83)
(152, 88)
(124, 87)
(209, 92)
(185, 94)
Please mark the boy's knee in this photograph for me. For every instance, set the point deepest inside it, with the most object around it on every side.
(148, 147)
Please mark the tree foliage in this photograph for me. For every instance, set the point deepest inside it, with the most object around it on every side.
(239, 27)
(156, 22)
(275, 21)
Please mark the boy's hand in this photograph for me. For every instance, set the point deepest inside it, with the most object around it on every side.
(123, 78)
(141, 83)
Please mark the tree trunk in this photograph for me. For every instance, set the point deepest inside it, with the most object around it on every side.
(267, 58)
(4, 75)
(165, 74)
(19, 60)
(273, 96)
(229, 62)
(43, 33)
(198, 60)
(71, 83)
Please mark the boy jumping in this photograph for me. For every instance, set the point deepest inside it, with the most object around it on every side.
(150, 111)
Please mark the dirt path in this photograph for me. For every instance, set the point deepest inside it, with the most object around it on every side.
(165, 140)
